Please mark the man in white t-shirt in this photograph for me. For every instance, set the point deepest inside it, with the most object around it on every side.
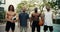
(48, 22)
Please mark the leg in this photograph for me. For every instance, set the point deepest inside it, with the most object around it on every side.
(12, 27)
(7, 27)
(25, 29)
(7, 31)
(12, 31)
(33, 28)
(38, 28)
(45, 28)
(51, 31)
(21, 29)
(51, 28)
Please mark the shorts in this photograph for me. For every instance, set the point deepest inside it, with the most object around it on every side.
(10, 25)
(23, 28)
(46, 28)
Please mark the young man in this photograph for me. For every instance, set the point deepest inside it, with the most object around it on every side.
(48, 23)
(10, 19)
(23, 17)
(35, 18)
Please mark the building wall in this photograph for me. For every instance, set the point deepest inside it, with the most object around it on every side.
(8, 2)
(13, 2)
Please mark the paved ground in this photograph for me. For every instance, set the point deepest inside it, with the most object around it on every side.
(56, 28)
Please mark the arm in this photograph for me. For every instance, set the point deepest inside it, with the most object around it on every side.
(15, 17)
(27, 20)
(18, 20)
(31, 19)
(42, 17)
(52, 16)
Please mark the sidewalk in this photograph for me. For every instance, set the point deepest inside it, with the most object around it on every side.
(55, 26)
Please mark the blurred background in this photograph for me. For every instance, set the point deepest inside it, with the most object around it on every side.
(30, 4)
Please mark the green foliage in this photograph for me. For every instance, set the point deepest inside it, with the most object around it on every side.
(20, 5)
(27, 4)
(52, 4)
(58, 3)
(31, 4)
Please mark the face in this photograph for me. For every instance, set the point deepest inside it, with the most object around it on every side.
(36, 10)
(11, 8)
(48, 8)
(24, 9)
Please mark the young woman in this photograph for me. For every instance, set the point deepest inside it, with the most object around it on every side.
(9, 17)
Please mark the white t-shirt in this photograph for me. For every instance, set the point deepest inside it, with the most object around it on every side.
(48, 18)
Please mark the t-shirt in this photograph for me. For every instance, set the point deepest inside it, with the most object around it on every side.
(48, 19)
(23, 19)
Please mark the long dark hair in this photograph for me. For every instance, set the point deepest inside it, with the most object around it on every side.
(10, 7)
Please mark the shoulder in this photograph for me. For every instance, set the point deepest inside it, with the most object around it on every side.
(14, 12)
(20, 13)
(27, 14)
(39, 13)
(51, 12)
(33, 13)
(7, 12)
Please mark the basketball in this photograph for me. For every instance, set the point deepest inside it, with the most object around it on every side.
(14, 18)
(41, 23)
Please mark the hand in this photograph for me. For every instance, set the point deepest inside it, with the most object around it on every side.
(30, 24)
(14, 21)
(11, 21)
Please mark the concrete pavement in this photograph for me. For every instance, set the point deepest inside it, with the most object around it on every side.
(55, 26)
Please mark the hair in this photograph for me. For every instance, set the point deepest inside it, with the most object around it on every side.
(10, 7)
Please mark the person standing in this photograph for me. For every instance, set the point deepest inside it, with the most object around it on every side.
(9, 17)
(23, 19)
(48, 23)
(35, 20)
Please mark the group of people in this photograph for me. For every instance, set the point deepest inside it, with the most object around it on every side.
(23, 18)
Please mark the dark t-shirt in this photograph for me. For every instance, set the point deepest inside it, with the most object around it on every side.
(23, 19)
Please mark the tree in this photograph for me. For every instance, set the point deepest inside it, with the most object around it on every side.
(58, 3)
(26, 3)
